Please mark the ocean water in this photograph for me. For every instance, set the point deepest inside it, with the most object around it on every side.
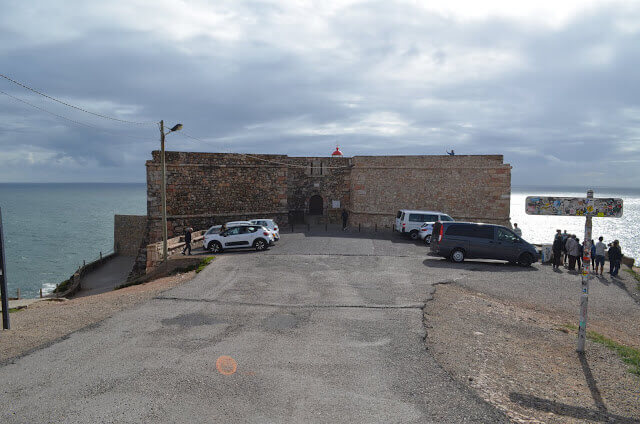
(541, 229)
(49, 229)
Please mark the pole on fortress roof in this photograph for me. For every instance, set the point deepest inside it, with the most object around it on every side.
(3, 281)
(578, 206)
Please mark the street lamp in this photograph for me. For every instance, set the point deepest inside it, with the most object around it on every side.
(176, 127)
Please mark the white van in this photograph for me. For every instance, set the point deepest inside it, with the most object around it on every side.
(409, 221)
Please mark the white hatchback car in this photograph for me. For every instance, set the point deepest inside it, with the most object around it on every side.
(238, 237)
(270, 224)
(425, 232)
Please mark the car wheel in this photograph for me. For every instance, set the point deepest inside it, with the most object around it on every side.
(260, 245)
(525, 260)
(457, 255)
(215, 247)
(427, 239)
(414, 235)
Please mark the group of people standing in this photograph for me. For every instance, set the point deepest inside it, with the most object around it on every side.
(568, 251)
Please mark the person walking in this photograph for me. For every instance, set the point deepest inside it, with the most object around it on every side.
(593, 255)
(187, 240)
(557, 251)
(615, 257)
(517, 230)
(345, 218)
(600, 249)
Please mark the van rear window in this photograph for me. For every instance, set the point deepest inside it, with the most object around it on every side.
(399, 214)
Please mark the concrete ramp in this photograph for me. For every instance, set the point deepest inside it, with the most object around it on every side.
(106, 277)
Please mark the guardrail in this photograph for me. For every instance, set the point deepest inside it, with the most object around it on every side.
(174, 245)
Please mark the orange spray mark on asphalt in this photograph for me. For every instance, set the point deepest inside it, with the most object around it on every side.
(226, 365)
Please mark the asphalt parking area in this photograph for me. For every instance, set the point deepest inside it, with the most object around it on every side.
(320, 328)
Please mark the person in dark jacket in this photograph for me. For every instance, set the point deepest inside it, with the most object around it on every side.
(615, 257)
(557, 251)
(187, 241)
(345, 217)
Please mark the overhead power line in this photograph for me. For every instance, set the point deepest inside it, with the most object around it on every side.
(71, 120)
(289, 165)
(72, 106)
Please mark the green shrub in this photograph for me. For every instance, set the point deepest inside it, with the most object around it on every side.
(62, 287)
(629, 355)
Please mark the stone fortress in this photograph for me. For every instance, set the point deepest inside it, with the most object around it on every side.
(204, 189)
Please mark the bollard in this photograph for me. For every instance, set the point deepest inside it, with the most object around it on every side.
(358, 227)
(18, 293)
(376, 230)
(100, 255)
(41, 293)
(308, 227)
(292, 228)
(325, 227)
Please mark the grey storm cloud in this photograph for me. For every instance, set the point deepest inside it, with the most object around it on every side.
(560, 100)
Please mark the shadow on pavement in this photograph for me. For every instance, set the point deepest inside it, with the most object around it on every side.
(558, 408)
(591, 382)
(477, 265)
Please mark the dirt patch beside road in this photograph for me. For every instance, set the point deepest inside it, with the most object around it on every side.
(522, 359)
(45, 321)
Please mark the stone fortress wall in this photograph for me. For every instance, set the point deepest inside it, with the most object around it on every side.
(469, 188)
(211, 188)
(204, 189)
(128, 233)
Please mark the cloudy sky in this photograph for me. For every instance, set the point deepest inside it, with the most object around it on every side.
(552, 85)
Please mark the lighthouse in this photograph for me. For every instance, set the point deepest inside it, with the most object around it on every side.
(336, 153)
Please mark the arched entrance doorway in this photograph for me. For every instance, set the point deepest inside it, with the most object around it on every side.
(315, 205)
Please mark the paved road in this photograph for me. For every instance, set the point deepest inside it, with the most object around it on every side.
(322, 329)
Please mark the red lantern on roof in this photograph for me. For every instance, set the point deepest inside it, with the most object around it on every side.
(337, 152)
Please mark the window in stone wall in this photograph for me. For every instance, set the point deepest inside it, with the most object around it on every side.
(317, 168)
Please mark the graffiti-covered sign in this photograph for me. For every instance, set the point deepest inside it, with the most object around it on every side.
(574, 206)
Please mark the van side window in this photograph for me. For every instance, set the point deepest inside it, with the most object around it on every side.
(470, 231)
(506, 235)
(484, 232)
(460, 230)
(445, 218)
(415, 217)
(429, 218)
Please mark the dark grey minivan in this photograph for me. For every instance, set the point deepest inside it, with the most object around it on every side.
(460, 240)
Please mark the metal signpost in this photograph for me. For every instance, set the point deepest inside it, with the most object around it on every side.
(3, 281)
(578, 206)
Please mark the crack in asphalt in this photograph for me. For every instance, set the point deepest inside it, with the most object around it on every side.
(299, 306)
